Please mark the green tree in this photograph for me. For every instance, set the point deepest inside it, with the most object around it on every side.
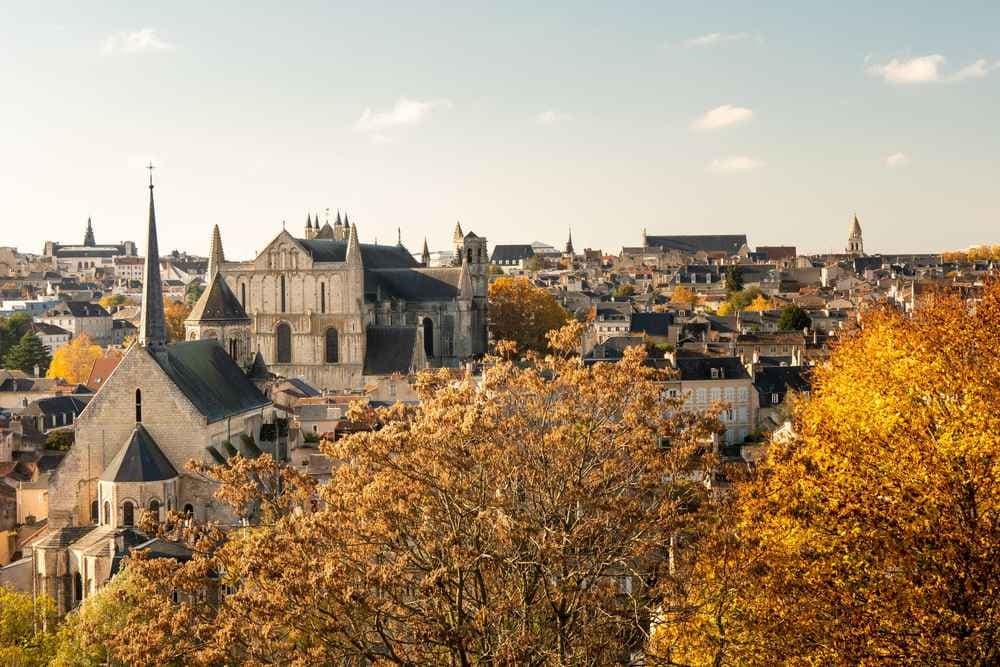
(734, 279)
(624, 291)
(793, 318)
(744, 297)
(82, 639)
(11, 330)
(193, 292)
(22, 642)
(27, 354)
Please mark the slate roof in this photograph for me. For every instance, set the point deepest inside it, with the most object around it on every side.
(218, 304)
(160, 548)
(418, 284)
(45, 329)
(390, 350)
(210, 379)
(63, 537)
(779, 379)
(511, 253)
(728, 243)
(78, 309)
(775, 252)
(700, 368)
(652, 324)
(372, 256)
(139, 460)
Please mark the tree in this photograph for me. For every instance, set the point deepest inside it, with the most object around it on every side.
(22, 641)
(12, 329)
(523, 521)
(534, 263)
(759, 304)
(794, 318)
(725, 309)
(624, 291)
(60, 440)
(175, 312)
(28, 354)
(734, 279)
(871, 535)
(72, 362)
(193, 293)
(740, 300)
(82, 639)
(523, 313)
(684, 296)
(109, 301)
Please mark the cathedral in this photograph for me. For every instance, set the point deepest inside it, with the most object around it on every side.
(333, 311)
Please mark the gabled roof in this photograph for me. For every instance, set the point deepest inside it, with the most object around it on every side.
(690, 243)
(372, 256)
(652, 324)
(700, 368)
(390, 350)
(417, 284)
(218, 304)
(78, 309)
(210, 379)
(511, 253)
(140, 460)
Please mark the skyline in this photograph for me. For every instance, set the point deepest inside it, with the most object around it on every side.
(608, 120)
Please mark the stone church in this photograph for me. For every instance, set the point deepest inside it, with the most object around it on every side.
(163, 405)
(334, 311)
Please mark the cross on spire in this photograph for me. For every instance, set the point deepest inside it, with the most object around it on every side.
(150, 167)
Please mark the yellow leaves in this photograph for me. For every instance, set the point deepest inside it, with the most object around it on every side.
(73, 361)
(759, 304)
(175, 312)
(523, 313)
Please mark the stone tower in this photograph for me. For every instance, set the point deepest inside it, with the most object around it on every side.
(88, 237)
(855, 245)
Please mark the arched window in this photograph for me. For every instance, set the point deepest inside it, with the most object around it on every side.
(322, 297)
(332, 346)
(282, 296)
(138, 405)
(243, 295)
(94, 512)
(469, 252)
(428, 337)
(283, 336)
(154, 508)
(232, 349)
(107, 512)
(128, 513)
(189, 510)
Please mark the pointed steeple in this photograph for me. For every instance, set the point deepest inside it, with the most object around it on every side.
(425, 256)
(338, 223)
(309, 222)
(458, 235)
(88, 237)
(399, 236)
(347, 222)
(569, 243)
(465, 280)
(152, 323)
(353, 257)
(215, 256)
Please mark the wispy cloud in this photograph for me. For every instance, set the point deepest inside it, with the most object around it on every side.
(553, 117)
(897, 160)
(406, 112)
(723, 116)
(138, 41)
(928, 69)
(717, 38)
(735, 163)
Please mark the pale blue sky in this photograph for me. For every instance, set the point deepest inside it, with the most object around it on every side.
(517, 120)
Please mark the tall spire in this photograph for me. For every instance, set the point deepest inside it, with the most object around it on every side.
(458, 235)
(425, 256)
(569, 242)
(215, 256)
(465, 280)
(353, 256)
(399, 236)
(309, 222)
(152, 323)
(338, 217)
(88, 237)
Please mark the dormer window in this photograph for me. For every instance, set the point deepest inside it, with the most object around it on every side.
(715, 373)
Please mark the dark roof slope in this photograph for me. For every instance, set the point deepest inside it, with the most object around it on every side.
(140, 460)
(210, 379)
(63, 537)
(729, 243)
(652, 324)
(372, 256)
(390, 350)
(417, 284)
(700, 368)
(79, 309)
(218, 304)
(780, 379)
(511, 253)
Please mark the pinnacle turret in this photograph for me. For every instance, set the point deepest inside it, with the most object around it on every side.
(152, 322)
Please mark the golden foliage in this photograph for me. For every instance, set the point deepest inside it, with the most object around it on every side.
(175, 312)
(759, 304)
(685, 296)
(873, 535)
(523, 313)
(73, 361)
(725, 308)
(489, 524)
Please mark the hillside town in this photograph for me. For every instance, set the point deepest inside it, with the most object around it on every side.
(268, 353)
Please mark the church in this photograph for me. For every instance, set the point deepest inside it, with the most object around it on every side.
(336, 312)
(164, 405)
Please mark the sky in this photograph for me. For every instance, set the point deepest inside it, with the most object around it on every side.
(522, 121)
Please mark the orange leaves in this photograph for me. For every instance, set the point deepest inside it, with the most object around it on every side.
(522, 313)
(73, 361)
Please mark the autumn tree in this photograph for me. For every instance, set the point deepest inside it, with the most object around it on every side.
(27, 355)
(734, 279)
(743, 298)
(524, 520)
(23, 641)
(175, 313)
(759, 304)
(725, 309)
(109, 301)
(523, 313)
(872, 535)
(685, 296)
(73, 361)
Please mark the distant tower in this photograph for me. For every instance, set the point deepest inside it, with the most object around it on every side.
(855, 246)
(152, 322)
(569, 243)
(310, 230)
(88, 237)
(425, 256)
